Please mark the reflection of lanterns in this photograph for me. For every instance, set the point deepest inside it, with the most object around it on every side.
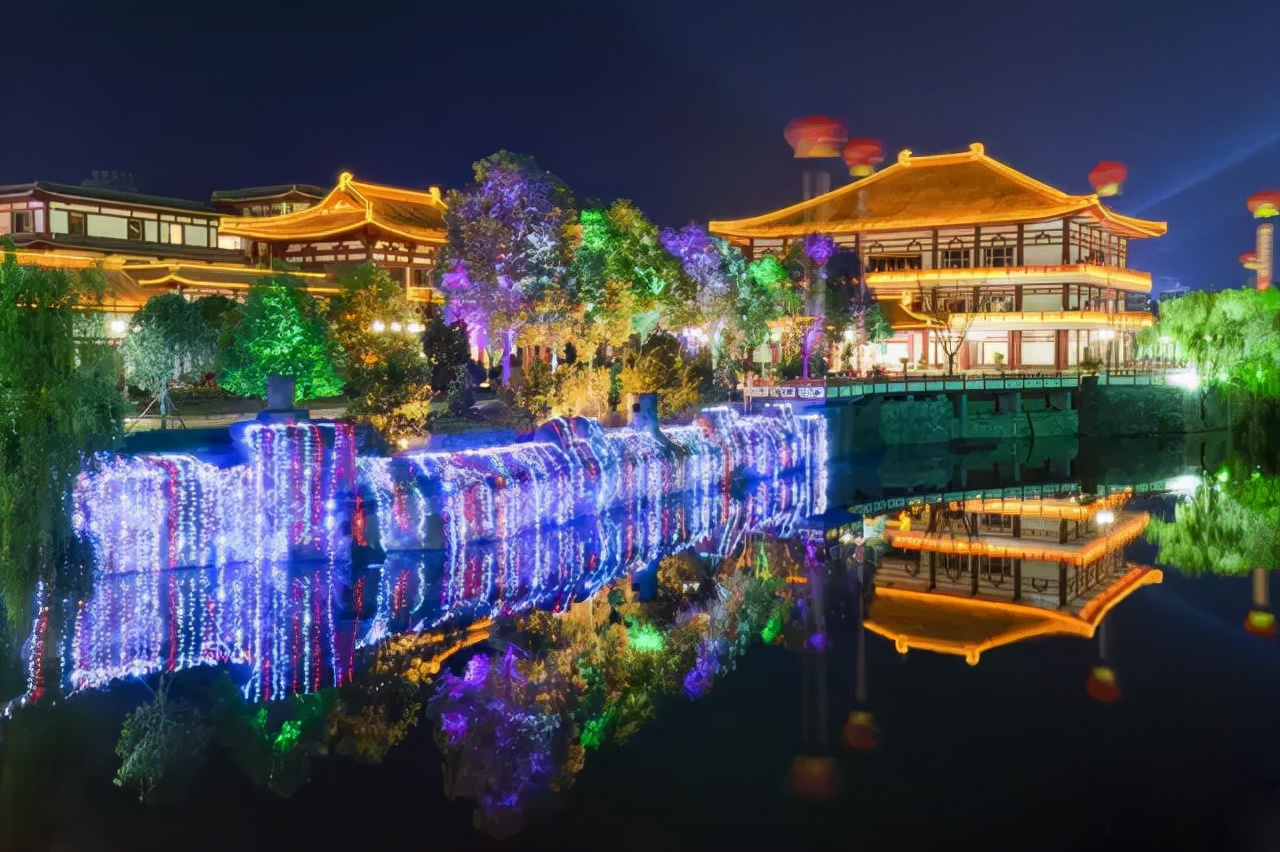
(1266, 204)
(859, 732)
(1107, 177)
(813, 777)
(1249, 260)
(1261, 621)
(1102, 685)
(862, 156)
(816, 136)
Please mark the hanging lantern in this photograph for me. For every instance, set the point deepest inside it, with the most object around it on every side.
(859, 732)
(1107, 177)
(1259, 622)
(862, 156)
(1102, 685)
(1266, 204)
(1249, 260)
(813, 777)
(816, 137)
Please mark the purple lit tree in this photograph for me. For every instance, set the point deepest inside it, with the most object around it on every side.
(508, 247)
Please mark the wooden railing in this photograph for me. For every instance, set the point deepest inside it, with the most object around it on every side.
(839, 388)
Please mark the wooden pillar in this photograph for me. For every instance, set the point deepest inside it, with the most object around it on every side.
(1062, 584)
(973, 576)
(1021, 242)
(1017, 575)
(977, 247)
(1066, 241)
(933, 570)
(935, 249)
(1066, 297)
(1017, 297)
(1017, 532)
(1062, 531)
(1015, 349)
(1061, 344)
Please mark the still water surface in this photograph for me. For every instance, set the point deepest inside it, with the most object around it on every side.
(651, 709)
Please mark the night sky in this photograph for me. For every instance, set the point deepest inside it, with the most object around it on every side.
(677, 106)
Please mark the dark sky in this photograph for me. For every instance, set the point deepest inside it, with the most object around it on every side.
(678, 106)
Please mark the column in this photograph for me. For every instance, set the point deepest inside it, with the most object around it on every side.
(1017, 573)
(1062, 584)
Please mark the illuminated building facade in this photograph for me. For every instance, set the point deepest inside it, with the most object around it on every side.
(966, 576)
(963, 246)
(356, 222)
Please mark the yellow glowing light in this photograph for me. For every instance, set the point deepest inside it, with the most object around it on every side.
(1047, 508)
(1112, 277)
(119, 326)
(1123, 532)
(378, 326)
(980, 189)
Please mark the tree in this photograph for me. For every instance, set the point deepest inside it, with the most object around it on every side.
(281, 331)
(1232, 337)
(169, 341)
(658, 367)
(508, 247)
(446, 348)
(58, 404)
(949, 314)
(161, 747)
(376, 328)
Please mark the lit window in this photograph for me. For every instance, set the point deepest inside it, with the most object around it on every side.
(175, 233)
(77, 225)
(21, 222)
(997, 256)
(953, 259)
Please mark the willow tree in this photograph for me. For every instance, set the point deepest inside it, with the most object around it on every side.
(58, 404)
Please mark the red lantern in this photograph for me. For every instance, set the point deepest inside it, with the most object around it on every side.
(1264, 205)
(1249, 260)
(1107, 177)
(862, 156)
(816, 136)
(814, 777)
(1261, 623)
(859, 732)
(1102, 685)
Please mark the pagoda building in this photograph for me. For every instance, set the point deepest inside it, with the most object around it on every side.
(356, 222)
(267, 200)
(965, 253)
(967, 576)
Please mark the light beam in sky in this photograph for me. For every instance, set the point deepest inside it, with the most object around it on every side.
(1230, 161)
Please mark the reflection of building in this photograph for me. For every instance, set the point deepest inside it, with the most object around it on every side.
(960, 245)
(966, 576)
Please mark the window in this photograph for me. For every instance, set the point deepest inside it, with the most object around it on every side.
(421, 277)
(135, 231)
(890, 262)
(997, 256)
(22, 222)
(953, 259)
(76, 224)
(175, 233)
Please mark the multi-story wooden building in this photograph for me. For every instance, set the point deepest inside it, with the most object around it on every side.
(356, 222)
(967, 254)
(966, 576)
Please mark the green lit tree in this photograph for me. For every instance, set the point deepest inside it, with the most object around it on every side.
(58, 402)
(169, 341)
(1232, 337)
(281, 331)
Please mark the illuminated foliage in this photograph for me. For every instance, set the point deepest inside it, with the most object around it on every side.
(659, 367)
(373, 715)
(169, 341)
(508, 249)
(1232, 337)
(281, 331)
(57, 400)
(384, 368)
(162, 745)
(1229, 525)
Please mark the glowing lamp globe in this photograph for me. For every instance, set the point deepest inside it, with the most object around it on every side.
(813, 777)
(1259, 622)
(1266, 204)
(862, 156)
(859, 732)
(1249, 260)
(1102, 685)
(1107, 177)
(816, 137)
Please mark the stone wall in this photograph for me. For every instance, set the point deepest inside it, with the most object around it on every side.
(1108, 411)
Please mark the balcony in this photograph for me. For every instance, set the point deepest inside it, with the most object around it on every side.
(1109, 277)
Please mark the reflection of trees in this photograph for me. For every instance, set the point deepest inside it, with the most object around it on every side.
(1230, 525)
(515, 728)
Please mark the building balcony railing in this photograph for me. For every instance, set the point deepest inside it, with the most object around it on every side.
(845, 388)
(1121, 320)
(1110, 277)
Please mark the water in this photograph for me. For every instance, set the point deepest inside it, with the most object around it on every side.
(1011, 752)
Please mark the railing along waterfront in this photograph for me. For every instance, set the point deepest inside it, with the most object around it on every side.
(848, 388)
